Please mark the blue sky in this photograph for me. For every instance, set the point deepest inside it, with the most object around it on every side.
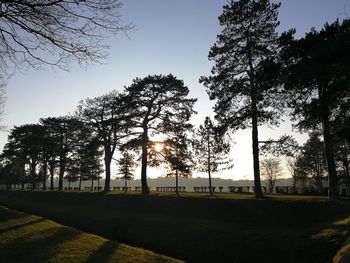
(170, 37)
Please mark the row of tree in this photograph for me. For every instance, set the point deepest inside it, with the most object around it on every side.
(259, 73)
(127, 122)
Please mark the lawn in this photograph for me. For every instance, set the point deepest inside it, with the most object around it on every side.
(28, 238)
(199, 228)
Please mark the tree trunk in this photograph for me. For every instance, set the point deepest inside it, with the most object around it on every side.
(332, 172)
(177, 182)
(61, 174)
(144, 184)
(255, 137)
(45, 175)
(52, 168)
(108, 160)
(125, 183)
(92, 183)
(257, 183)
(80, 179)
(209, 163)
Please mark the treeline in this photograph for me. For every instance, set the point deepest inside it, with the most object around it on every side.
(258, 77)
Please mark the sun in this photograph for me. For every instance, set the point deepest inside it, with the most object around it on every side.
(158, 147)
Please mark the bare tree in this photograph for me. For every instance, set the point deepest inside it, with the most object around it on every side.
(56, 32)
(271, 170)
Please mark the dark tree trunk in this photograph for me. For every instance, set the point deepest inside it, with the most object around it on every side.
(177, 182)
(92, 183)
(257, 183)
(144, 185)
(45, 175)
(125, 183)
(33, 173)
(108, 160)
(332, 172)
(52, 168)
(80, 179)
(61, 174)
(209, 164)
(255, 137)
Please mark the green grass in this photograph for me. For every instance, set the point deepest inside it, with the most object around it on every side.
(28, 238)
(198, 228)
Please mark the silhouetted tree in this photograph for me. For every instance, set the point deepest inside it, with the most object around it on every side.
(126, 166)
(211, 149)
(158, 102)
(62, 132)
(178, 154)
(311, 163)
(56, 32)
(108, 115)
(245, 76)
(317, 74)
(24, 144)
(271, 169)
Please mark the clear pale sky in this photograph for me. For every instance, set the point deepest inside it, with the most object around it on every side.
(171, 37)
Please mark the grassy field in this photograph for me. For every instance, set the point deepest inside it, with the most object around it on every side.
(28, 238)
(199, 228)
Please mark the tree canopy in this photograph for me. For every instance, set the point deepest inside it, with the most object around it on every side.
(35, 33)
(244, 79)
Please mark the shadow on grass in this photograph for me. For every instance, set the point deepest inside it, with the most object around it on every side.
(36, 247)
(103, 253)
(17, 226)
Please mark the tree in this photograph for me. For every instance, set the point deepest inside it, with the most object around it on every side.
(178, 155)
(244, 80)
(271, 169)
(159, 104)
(311, 162)
(109, 116)
(126, 166)
(211, 150)
(62, 132)
(317, 73)
(56, 32)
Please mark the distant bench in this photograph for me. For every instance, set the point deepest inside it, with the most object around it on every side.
(205, 189)
(170, 188)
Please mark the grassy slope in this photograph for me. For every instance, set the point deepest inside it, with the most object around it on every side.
(28, 238)
(277, 229)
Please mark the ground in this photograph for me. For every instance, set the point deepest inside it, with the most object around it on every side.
(197, 227)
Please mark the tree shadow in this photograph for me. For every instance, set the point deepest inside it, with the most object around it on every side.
(104, 252)
(7, 214)
(29, 249)
(17, 226)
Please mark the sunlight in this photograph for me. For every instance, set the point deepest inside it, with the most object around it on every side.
(158, 147)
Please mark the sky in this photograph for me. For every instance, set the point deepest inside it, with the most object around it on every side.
(169, 37)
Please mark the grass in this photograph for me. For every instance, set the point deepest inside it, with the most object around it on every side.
(28, 238)
(198, 228)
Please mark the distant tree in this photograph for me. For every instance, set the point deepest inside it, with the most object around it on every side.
(25, 145)
(293, 170)
(211, 150)
(271, 169)
(178, 154)
(158, 103)
(244, 80)
(56, 32)
(311, 163)
(62, 132)
(109, 116)
(317, 75)
(126, 166)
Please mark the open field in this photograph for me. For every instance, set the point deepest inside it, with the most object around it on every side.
(198, 228)
(28, 238)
